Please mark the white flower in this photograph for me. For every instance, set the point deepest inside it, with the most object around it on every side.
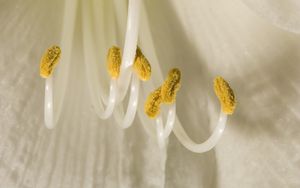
(259, 55)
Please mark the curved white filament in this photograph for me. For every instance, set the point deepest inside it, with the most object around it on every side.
(132, 104)
(111, 100)
(160, 133)
(129, 46)
(66, 46)
(208, 144)
(170, 121)
(164, 132)
(48, 106)
(131, 33)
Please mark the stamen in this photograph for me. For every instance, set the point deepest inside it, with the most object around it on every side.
(114, 62)
(49, 61)
(171, 86)
(152, 104)
(141, 66)
(225, 95)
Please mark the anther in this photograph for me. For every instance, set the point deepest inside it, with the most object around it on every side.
(152, 104)
(49, 61)
(114, 62)
(225, 95)
(141, 66)
(170, 86)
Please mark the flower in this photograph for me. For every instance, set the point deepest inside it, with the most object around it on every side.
(258, 55)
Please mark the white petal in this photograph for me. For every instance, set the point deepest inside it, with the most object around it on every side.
(284, 14)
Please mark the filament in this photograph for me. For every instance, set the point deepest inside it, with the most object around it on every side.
(130, 46)
(163, 132)
(48, 104)
(127, 119)
(208, 144)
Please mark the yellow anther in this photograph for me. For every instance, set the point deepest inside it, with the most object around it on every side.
(171, 86)
(141, 65)
(49, 61)
(152, 104)
(225, 95)
(114, 62)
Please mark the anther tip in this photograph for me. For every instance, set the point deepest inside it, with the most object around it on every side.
(225, 95)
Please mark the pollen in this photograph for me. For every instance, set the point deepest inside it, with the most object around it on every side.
(49, 60)
(170, 86)
(141, 66)
(114, 62)
(152, 104)
(225, 95)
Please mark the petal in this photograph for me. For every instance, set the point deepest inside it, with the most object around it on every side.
(284, 14)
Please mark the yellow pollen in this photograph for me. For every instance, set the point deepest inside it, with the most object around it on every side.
(152, 104)
(114, 62)
(141, 66)
(170, 86)
(49, 61)
(225, 95)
